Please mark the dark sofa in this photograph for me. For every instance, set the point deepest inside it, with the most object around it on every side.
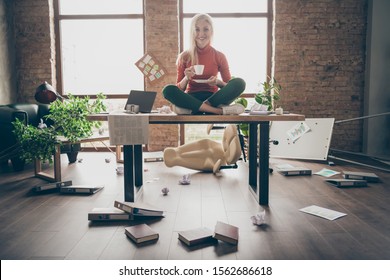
(27, 112)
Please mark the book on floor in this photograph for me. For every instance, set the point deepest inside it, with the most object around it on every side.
(226, 232)
(196, 236)
(342, 183)
(81, 189)
(294, 171)
(153, 156)
(141, 233)
(139, 209)
(109, 214)
(51, 186)
(367, 176)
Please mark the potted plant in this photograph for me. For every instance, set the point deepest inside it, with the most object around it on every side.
(69, 119)
(269, 93)
(35, 142)
(66, 121)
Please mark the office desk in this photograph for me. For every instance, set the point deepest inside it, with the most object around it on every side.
(258, 183)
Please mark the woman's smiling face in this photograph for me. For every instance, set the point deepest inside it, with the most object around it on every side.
(203, 33)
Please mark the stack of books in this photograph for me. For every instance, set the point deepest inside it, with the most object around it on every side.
(369, 177)
(354, 179)
(67, 187)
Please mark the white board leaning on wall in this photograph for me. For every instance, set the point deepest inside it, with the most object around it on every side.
(308, 139)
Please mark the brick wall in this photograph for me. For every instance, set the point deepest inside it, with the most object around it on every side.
(162, 40)
(319, 58)
(320, 61)
(34, 49)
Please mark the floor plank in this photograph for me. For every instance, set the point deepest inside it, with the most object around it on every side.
(55, 226)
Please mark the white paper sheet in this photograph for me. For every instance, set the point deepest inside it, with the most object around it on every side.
(324, 172)
(298, 131)
(128, 129)
(322, 212)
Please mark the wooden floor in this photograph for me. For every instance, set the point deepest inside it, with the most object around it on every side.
(55, 226)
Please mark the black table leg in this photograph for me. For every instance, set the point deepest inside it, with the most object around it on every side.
(264, 164)
(138, 165)
(128, 166)
(252, 156)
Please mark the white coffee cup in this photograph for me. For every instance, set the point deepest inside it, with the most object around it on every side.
(198, 69)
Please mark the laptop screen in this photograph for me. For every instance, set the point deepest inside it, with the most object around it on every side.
(144, 99)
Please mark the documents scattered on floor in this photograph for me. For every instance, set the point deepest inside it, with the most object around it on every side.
(322, 212)
(327, 172)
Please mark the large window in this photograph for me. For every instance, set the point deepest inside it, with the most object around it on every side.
(241, 33)
(99, 42)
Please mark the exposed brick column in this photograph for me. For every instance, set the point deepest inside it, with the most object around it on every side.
(34, 46)
(162, 41)
(320, 61)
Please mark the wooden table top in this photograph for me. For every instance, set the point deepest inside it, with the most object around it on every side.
(176, 119)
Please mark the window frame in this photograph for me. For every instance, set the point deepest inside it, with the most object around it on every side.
(57, 23)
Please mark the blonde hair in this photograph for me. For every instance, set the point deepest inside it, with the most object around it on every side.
(191, 55)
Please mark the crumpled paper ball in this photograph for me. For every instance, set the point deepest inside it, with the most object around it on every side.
(42, 125)
(164, 110)
(185, 180)
(259, 218)
(165, 191)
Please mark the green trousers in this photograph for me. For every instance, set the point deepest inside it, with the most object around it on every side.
(225, 96)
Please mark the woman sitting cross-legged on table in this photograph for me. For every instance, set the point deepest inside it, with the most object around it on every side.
(199, 90)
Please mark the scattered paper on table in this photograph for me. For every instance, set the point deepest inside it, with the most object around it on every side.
(326, 172)
(322, 212)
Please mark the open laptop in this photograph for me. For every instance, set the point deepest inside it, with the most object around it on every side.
(144, 99)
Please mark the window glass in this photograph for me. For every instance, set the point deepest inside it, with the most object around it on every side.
(99, 55)
(74, 7)
(225, 6)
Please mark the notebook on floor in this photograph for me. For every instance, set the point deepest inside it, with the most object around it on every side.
(144, 99)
